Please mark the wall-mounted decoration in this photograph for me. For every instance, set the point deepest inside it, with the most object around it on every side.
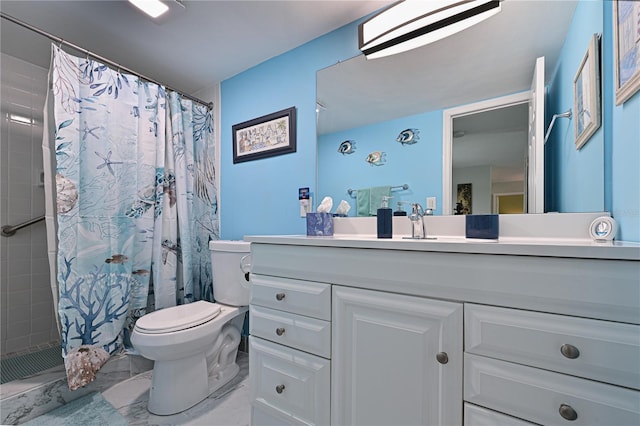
(376, 158)
(586, 94)
(463, 200)
(408, 136)
(265, 136)
(626, 33)
(347, 147)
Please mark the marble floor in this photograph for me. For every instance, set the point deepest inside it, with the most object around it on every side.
(228, 406)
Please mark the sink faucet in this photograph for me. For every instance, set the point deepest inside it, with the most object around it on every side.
(418, 228)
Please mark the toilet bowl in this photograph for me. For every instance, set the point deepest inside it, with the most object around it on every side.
(194, 346)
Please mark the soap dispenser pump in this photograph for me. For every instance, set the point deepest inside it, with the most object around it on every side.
(385, 222)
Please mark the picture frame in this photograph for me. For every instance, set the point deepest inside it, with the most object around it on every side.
(586, 94)
(464, 200)
(626, 35)
(266, 136)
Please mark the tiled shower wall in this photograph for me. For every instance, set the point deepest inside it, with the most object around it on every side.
(26, 305)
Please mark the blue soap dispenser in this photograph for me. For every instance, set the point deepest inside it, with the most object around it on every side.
(385, 223)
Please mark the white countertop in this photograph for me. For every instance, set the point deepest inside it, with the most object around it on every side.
(577, 248)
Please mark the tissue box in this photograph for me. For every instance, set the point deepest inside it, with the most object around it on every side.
(484, 226)
(319, 224)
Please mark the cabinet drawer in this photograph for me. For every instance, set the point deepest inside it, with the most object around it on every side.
(480, 416)
(594, 349)
(304, 333)
(296, 296)
(289, 383)
(540, 396)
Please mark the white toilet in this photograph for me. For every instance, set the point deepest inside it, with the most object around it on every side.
(194, 346)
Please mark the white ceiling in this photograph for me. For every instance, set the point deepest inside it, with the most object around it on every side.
(207, 42)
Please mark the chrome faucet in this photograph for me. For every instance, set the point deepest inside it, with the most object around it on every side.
(418, 227)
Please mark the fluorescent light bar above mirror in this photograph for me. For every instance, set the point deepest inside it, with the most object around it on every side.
(153, 8)
(414, 23)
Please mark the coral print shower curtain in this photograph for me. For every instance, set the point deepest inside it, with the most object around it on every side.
(135, 204)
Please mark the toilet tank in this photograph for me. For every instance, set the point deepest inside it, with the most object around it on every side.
(229, 284)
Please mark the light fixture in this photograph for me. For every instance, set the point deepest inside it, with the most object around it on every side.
(20, 119)
(153, 8)
(414, 23)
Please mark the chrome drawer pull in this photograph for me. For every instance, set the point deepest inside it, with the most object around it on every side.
(567, 412)
(442, 357)
(279, 296)
(280, 331)
(280, 388)
(569, 351)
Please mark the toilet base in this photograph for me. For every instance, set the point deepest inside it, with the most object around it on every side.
(194, 384)
(188, 385)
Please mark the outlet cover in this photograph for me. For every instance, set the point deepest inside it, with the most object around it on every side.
(431, 203)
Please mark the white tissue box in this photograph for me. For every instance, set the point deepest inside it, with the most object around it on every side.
(319, 224)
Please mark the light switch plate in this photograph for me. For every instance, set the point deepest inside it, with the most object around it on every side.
(431, 203)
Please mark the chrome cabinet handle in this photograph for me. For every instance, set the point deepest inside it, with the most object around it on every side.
(567, 412)
(442, 357)
(279, 296)
(280, 388)
(569, 351)
(280, 331)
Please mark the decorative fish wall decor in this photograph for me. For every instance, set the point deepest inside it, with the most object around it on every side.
(376, 158)
(408, 136)
(347, 147)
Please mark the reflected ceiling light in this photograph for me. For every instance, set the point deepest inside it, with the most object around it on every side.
(20, 119)
(414, 23)
(153, 8)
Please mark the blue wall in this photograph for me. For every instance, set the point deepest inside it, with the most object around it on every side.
(418, 165)
(574, 179)
(622, 146)
(260, 197)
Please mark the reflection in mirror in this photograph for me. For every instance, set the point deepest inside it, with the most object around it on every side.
(489, 153)
(371, 102)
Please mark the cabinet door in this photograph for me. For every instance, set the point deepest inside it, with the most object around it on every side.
(288, 384)
(387, 359)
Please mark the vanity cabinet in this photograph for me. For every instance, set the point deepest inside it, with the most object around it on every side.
(289, 351)
(404, 332)
(552, 369)
(397, 359)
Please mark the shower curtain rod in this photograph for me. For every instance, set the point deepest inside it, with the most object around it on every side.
(100, 58)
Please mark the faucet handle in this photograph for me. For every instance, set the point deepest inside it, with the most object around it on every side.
(417, 209)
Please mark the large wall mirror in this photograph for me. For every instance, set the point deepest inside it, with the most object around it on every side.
(370, 102)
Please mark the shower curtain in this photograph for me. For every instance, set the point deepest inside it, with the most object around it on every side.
(135, 205)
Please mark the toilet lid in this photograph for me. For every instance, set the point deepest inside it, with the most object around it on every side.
(178, 317)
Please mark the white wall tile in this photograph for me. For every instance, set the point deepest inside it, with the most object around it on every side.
(24, 275)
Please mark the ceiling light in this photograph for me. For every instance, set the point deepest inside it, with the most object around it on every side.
(20, 119)
(153, 8)
(414, 23)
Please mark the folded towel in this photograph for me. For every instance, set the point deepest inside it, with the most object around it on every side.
(363, 200)
(376, 194)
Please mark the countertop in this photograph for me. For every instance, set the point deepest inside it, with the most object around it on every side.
(548, 247)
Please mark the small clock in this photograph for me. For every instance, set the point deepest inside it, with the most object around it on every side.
(603, 229)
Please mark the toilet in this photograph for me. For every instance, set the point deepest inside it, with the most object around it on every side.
(194, 346)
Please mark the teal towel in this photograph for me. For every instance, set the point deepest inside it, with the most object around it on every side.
(377, 192)
(363, 200)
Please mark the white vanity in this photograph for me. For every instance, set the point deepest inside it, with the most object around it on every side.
(352, 330)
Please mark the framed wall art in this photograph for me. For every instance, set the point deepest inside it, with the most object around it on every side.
(626, 34)
(586, 94)
(266, 136)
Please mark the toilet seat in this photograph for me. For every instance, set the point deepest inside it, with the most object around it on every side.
(177, 318)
